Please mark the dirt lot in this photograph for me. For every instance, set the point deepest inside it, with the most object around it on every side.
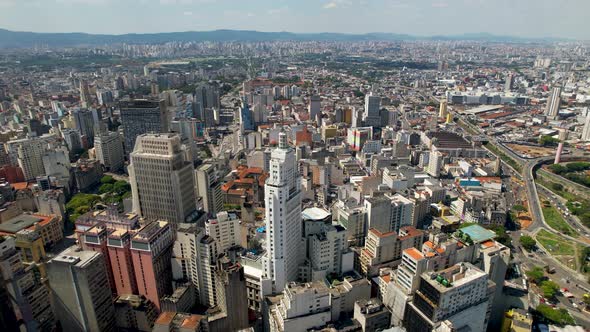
(531, 151)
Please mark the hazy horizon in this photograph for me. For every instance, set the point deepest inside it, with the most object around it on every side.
(522, 18)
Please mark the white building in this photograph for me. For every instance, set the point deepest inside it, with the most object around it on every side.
(282, 195)
(435, 163)
(226, 231)
(300, 308)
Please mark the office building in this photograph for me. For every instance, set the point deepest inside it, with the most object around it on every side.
(246, 117)
(209, 188)
(134, 313)
(282, 195)
(73, 141)
(162, 180)
(109, 151)
(85, 124)
(371, 116)
(81, 295)
(151, 252)
(142, 116)
(553, 101)
(314, 107)
(441, 297)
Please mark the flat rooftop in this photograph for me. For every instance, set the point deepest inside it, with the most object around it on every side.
(17, 223)
(478, 234)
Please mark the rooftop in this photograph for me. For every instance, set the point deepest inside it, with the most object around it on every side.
(477, 233)
(21, 222)
(315, 213)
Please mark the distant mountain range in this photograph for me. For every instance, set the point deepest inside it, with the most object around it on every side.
(18, 39)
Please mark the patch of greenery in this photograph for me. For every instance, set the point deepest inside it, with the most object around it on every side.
(505, 158)
(546, 140)
(536, 275)
(556, 221)
(549, 289)
(555, 316)
(528, 242)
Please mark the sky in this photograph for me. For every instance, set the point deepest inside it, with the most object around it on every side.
(524, 18)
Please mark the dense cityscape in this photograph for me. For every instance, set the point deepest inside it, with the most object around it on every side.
(295, 185)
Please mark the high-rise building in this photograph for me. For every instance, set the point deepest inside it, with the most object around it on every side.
(28, 154)
(85, 96)
(109, 150)
(80, 291)
(27, 294)
(461, 294)
(209, 188)
(435, 163)
(151, 252)
(282, 195)
(246, 117)
(141, 116)
(162, 180)
(226, 230)
(552, 108)
(371, 115)
(388, 213)
(586, 129)
(73, 141)
(509, 82)
(85, 124)
(443, 111)
(314, 107)
(232, 297)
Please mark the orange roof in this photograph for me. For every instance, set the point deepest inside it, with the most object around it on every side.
(165, 318)
(192, 321)
(488, 243)
(414, 253)
(19, 185)
(429, 244)
(379, 234)
(386, 277)
(44, 219)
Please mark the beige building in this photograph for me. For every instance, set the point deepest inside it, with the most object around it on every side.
(109, 150)
(162, 179)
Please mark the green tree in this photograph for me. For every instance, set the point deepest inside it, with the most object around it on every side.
(528, 242)
(536, 275)
(121, 187)
(557, 186)
(556, 316)
(546, 140)
(105, 188)
(549, 289)
(558, 169)
(107, 179)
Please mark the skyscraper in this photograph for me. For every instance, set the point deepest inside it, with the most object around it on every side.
(209, 188)
(442, 112)
(282, 195)
(314, 107)
(141, 116)
(162, 180)
(109, 150)
(85, 123)
(371, 116)
(246, 118)
(80, 290)
(552, 108)
(85, 96)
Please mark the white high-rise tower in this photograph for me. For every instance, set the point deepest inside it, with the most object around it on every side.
(282, 195)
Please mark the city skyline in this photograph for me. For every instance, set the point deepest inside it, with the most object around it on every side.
(528, 18)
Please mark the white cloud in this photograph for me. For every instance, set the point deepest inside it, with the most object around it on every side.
(188, 13)
(338, 4)
(331, 5)
(440, 4)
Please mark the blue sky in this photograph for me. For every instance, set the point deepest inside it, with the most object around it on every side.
(529, 18)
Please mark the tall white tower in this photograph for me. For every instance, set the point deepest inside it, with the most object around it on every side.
(282, 196)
